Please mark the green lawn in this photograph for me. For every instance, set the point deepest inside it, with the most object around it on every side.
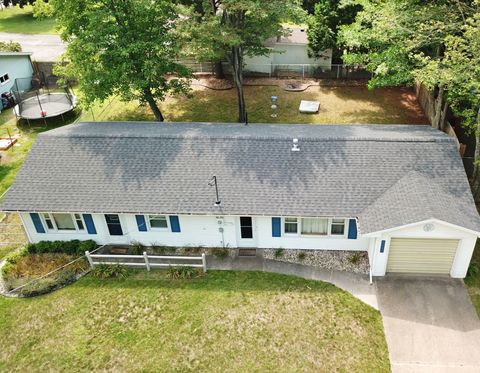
(337, 105)
(21, 21)
(473, 281)
(226, 321)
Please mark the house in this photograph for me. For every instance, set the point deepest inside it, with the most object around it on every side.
(289, 55)
(398, 192)
(14, 65)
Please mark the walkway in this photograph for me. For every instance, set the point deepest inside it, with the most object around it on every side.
(357, 285)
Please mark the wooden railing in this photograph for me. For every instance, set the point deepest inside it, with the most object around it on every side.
(148, 261)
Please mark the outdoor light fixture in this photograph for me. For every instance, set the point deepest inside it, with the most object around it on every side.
(213, 182)
(274, 106)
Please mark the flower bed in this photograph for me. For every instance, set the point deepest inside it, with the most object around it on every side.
(24, 270)
(340, 260)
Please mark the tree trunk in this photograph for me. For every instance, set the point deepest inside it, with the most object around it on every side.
(153, 105)
(476, 163)
(219, 73)
(237, 67)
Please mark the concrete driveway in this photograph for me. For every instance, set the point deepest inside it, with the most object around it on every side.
(44, 47)
(430, 324)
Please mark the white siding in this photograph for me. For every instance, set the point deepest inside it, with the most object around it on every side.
(201, 231)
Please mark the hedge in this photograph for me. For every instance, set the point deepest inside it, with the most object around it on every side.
(73, 247)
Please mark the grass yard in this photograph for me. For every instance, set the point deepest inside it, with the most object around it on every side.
(226, 321)
(21, 21)
(473, 280)
(341, 105)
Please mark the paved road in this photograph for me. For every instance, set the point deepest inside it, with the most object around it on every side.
(430, 325)
(43, 47)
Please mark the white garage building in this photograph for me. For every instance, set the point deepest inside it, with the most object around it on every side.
(398, 192)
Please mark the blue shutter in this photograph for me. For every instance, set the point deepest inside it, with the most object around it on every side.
(174, 224)
(276, 227)
(141, 223)
(382, 246)
(37, 222)
(87, 218)
(352, 229)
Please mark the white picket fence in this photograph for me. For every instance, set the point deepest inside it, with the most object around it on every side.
(148, 261)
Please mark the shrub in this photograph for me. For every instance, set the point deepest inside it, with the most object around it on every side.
(11, 259)
(193, 250)
(473, 270)
(73, 247)
(183, 273)
(48, 284)
(301, 256)
(355, 258)
(279, 253)
(105, 271)
(136, 248)
(220, 252)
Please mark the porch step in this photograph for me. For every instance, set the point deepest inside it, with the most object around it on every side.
(247, 252)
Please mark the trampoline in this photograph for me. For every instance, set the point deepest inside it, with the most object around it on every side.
(46, 105)
(36, 99)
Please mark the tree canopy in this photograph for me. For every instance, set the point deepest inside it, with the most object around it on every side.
(323, 25)
(122, 47)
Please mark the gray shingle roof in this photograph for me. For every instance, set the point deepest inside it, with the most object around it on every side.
(384, 175)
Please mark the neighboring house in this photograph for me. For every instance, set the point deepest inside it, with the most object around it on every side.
(14, 65)
(397, 192)
(289, 54)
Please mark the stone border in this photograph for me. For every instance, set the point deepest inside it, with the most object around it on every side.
(340, 260)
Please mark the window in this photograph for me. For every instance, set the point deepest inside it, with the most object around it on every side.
(246, 227)
(291, 225)
(314, 226)
(64, 222)
(338, 227)
(4, 79)
(79, 221)
(158, 221)
(48, 221)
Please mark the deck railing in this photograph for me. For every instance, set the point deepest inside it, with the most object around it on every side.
(148, 261)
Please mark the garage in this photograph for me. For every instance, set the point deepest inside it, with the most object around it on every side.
(414, 255)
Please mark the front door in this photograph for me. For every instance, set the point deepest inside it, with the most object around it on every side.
(114, 225)
(247, 232)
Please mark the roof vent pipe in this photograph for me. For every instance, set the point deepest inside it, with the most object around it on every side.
(295, 147)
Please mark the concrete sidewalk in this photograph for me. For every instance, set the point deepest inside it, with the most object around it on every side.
(356, 284)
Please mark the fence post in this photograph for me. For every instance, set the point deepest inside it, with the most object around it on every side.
(147, 263)
(204, 262)
(303, 71)
(89, 258)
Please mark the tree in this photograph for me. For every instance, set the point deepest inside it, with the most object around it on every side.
(403, 41)
(195, 12)
(240, 28)
(10, 46)
(124, 47)
(462, 56)
(323, 25)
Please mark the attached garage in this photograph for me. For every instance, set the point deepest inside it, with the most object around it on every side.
(413, 255)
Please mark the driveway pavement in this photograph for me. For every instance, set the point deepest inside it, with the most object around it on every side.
(430, 325)
(44, 47)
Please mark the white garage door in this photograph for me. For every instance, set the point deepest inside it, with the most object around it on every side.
(421, 255)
